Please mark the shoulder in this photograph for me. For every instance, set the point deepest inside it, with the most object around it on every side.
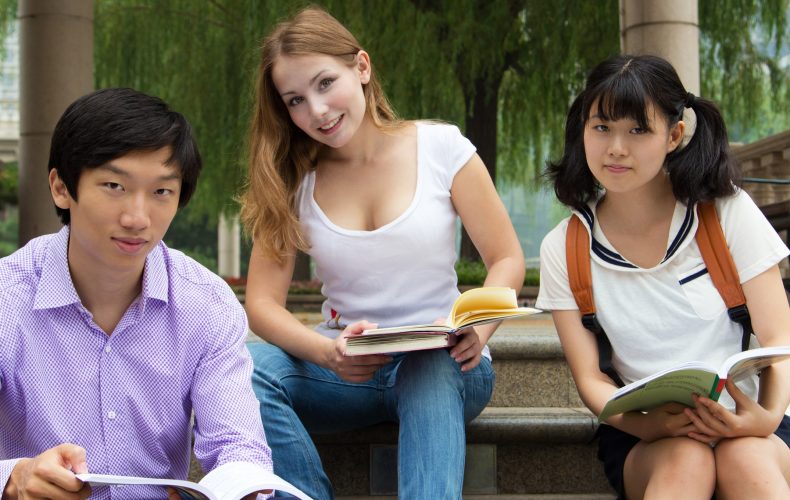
(552, 248)
(22, 269)
(193, 281)
(443, 148)
(440, 132)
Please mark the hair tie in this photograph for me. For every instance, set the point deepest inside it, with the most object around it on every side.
(690, 100)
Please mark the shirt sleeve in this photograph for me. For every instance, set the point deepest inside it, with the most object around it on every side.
(6, 466)
(227, 414)
(754, 244)
(451, 149)
(555, 290)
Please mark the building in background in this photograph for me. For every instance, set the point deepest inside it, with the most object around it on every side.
(9, 100)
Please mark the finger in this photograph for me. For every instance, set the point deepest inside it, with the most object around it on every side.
(699, 425)
(73, 457)
(708, 422)
(703, 438)
(172, 494)
(359, 327)
(464, 343)
(737, 395)
(471, 364)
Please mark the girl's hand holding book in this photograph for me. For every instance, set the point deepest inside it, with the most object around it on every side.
(716, 422)
(354, 368)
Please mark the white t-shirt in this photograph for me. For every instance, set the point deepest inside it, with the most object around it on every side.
(671, 313)
(403, 272)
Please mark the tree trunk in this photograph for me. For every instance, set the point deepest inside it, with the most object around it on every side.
(481, 129)
(302, 267)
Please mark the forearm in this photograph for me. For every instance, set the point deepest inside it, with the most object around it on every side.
(775, 388)
(507, 271)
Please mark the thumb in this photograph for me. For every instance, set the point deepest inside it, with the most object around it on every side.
(73, 457)
(737, 395)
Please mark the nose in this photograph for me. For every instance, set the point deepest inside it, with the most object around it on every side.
(135, 214)
(318, 108)
(617, 146)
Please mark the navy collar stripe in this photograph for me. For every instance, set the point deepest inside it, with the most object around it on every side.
(685, 228)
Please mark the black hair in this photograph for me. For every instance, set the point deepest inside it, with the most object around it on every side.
(109, 123)
(622, 87)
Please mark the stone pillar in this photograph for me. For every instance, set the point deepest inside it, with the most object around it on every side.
(229, 246)
(666, 28)
(55, 68)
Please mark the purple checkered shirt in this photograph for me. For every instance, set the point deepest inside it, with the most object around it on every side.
(127, 398)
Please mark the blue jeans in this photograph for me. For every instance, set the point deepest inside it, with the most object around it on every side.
(425, 392)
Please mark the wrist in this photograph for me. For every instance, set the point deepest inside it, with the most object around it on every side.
(11, 490)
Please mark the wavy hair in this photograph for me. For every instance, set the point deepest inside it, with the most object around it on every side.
(623, 86)
(281, 154)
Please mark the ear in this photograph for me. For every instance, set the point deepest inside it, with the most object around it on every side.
(60, 193)
(363, 66)
(676, 136)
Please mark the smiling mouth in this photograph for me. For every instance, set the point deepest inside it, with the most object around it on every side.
(328, 127)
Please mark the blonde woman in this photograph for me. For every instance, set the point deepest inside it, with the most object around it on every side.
(374, 200)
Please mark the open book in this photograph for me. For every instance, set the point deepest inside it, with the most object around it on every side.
(223, 483)
(679, 383)
(473, 307)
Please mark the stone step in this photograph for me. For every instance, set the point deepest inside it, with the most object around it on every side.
(514, 451)
(530, 366)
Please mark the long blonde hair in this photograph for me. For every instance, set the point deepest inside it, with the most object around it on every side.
(281, 154)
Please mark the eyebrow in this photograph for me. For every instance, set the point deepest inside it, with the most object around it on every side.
(312, 81)
(119, 171)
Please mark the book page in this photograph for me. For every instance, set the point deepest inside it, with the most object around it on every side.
(487, 297)
(188, 489)
(747, 363)
(233, 481)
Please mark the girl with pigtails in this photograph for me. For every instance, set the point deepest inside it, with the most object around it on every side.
(636, 185)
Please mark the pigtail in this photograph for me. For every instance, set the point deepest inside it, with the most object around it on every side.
(705, 168)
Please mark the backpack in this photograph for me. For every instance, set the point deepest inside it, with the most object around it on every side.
(715, 253)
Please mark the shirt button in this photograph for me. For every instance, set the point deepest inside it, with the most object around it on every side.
(111, 415)
(107, 348)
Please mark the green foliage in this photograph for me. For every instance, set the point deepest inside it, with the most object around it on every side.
(9, 231)
(474, 273)
(470, 272)
(734, 71)
(9, 184)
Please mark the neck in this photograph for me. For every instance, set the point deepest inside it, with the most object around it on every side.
(639, 209)
(107, 294)
(362, 148)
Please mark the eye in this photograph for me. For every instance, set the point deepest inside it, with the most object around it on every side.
(113, 186)
(295, 100)
(164, 192)
(639, 131)
(326, 82)
(600, 128)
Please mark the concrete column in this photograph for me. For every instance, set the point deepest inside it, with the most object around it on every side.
(666, 28)
(55, 68)
(229, 246)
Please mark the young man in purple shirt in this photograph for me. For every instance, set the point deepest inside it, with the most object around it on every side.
(110, 340)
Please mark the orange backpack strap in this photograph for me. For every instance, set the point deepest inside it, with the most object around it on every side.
(577, 257)
(721, 268)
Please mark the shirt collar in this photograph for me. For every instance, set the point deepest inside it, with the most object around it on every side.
(681, 230)
(56, 289)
